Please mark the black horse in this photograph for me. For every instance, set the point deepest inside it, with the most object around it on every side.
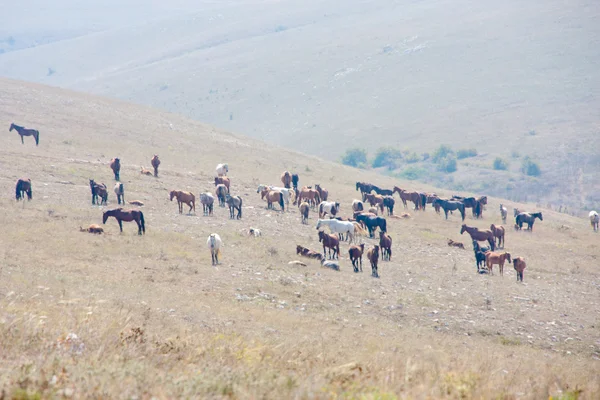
(450, 205)
(364, 188)
(479, 254)
(388, 202)
(383, 192)
(295, 182)
(23, 188)
(528, 218)
(372, 223)
(98, 189)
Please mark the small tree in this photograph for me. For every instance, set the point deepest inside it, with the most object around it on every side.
(529, 167)
(500, 164)
(412, 158)
(447, 164)
(386, 157)
(466, 153)
(355, 157)
(440, 153)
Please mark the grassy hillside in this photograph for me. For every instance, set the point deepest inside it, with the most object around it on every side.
(154, 318)
(322, 76)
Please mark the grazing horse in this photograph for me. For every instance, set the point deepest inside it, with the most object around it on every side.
(356, 253)
(364, 188)
(388, 202)
(214, 244)
(155, 163)
(235, 203)
(479, 254)
(207, 200)
(503, 213)
(330, 241)
(273, 196)
(498, 232)
(328, 207)
(286, 179)
(120, 192)
(323, 193)
(373, 256)
(372, 223)
(339, 227)
(309, 195)
(115, 165)
(126, 215)
(357, 205)
(492, 258)
(480, 236)
(385, 243)
(594, 220)
(449, 205)
(98, 189)
(411, 196)
(519, 265)
(528, 218)
(184, 197)
(222, 169)
(295, 180)
(304, 210)
(26, 132)
(23, 187)
(221, 192)
(222, 180)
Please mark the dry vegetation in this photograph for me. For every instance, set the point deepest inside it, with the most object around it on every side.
(152, 317)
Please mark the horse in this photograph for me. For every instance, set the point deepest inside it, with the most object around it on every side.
(411, 196)
(528, 218)
(503, 213)
(479, 254)
(136, 203)
(328, 207)
(364, 188)
(323, 193)
(355, 253)
(373, 256)
(155, 163)
(120, 192)
(273, 196)
(303, 251)
(222, 180)
(372, 223)
(93, 228)
(309, 195)
(222, 169)
(383, 192)
(184, 197)
(207, 200)
(388, 202)
(23, 187)
(115, 165)
(385, 244)
(375, 200)
(498, 232)
(357, 205)
(214, 244)
(339, 227)
(480, 236)
(145, 171)
(449, 205)
(519, 265)
(469, 202)
(452, 243)
(221, 192)
(331, 242)
(304, 209)
(288, 194)
(295, 180)
(26, 132)
(594, 220)
(98, 189)
(286, 179)
(234, 203)
(479, 206)
(126, 215)
(492, 258)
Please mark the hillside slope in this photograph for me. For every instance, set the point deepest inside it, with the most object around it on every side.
(154, 318)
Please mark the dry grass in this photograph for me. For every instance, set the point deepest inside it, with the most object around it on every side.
(154, 318)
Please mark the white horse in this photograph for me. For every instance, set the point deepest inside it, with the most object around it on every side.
(339, 227)
(214, 244)
(594, 220)
(328, 207)
(222, 169)
(288, 194)
(120, 192)
(503, 212)
(358, 205)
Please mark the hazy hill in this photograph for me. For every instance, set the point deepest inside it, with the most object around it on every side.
(153, 318)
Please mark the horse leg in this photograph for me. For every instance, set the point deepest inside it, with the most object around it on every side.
(120, 225)
(22, 141)
(139, 224)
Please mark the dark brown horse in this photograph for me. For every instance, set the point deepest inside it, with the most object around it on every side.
(126, 215)
(364, 188)
(330, 241)
(155, 163)
(98, 190)
(373, 256)
(498, 232)
(295, 180)
(411, 196)
(222, 180)
(385, 243)
(356, 253)
(529, 219)
(323, 193)
(480, 236)
(286, 179)
(311, 196)
(115, 165)
(26, 132)
(23, 187)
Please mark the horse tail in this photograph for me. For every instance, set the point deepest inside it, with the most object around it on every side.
(241, 201)
(280, 202)
(142, 222)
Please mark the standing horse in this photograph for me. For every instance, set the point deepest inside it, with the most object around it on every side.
(304, 209)
(23, 187)
(311, 196)
(286, 179)
(221, 192)
(120, 192)
(98, 189)
(388, 202)
(331, 242)
(273, 196)
(372, 223)
(480, 236)
(375, 200)
(529, 219)
(155, 163)
(26, 132)
(594, 220)
(214, 244)
(373, 256)
(339, 227)
(498, 232)
(323, 193)
(288, 194)
(295, 180)
(207, 200)
(449, 205)
(184, 197)
(492, 258)
(122, 215)
(385, 243)
(503, 213)
(356, 253)
(235, 203)
(328, 207)
(411, 196)
(222, 180)
(222, 169)
(519, 265)
(115, 165)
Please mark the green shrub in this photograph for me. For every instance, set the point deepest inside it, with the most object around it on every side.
(466, 153)
(412, 173)
(355, 157)
(412, 158)
(441, 153)
(447, 164)
(515, 154)
(529, 167)
(386, 157)
(500, 164)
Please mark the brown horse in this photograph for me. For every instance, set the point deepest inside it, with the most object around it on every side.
(410, 196)
(221, 192)
(304, 209)
(115, 165)
(385, 243)
(26, 132)
(303, 251)
(373, 256)
(273, 196)
(155, 163)
(184, 197)
(330, 241)
(492, 258)
(98, 190)
(126, 215)
(498, 232)
(145, 171)
(93, 228)
(480, 236)
(23, 187)
(519, 265)
(375, 200)
(311, 196)
(286, 179)
(356, 253)
(222, 180)
(323, 193)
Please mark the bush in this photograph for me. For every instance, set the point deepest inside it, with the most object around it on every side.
(425, 156)
(412, 173)
(441, 153)
(386, 157)
(515, 154)
(412, 158)
(355, 157)
(447, 164)
(529, 167)
(466, 153)
(500, 164)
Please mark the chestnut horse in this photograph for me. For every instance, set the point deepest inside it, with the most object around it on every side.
(498, 232)
(385, 243)
(115, 165)
(356, 253)
(519, 265)
(373, 256)
(311, 196)
(23, 187)
(480, 236)
(155, 163)
(492, 258)
(330, 241)
(122, 215)
(412, 196)
(224, 180)
(273, 196)
(286, 179)
(184, 197)
(26, 132)
(323, 193)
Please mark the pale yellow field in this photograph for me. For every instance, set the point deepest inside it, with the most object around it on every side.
(153, 318)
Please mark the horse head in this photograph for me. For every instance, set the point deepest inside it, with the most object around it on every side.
(541, 219)
(172, 194)
(105, 216)
(508, 257)
(12, 126)
(463, 228)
